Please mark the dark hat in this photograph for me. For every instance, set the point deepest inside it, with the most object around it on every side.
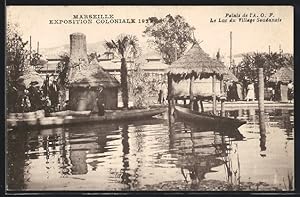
(34, 83)
(20, 79)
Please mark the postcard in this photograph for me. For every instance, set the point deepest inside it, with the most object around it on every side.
(150, 98)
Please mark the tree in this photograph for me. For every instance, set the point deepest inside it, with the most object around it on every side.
(93, 56)
(124, 46)
(170, 35)
(35, 60)
(142, 86)
(270, 62)
(63, 70)
(139, 87)
(16, 54)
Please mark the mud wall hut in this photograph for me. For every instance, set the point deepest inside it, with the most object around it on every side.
(89, 83)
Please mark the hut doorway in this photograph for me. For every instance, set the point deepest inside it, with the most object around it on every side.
(284, 93)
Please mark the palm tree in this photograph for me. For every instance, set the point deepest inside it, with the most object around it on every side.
(124, 46)
(63, 70)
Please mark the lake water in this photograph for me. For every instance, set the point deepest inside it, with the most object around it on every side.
(130, 155)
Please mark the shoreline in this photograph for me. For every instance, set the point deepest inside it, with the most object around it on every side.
(235, 105)
(210, 186)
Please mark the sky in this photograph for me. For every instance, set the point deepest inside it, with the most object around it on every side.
(247, 37)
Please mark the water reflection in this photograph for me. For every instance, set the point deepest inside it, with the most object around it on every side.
(128, 155)
(199, 151)
(16, 155)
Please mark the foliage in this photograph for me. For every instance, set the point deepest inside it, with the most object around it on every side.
(93, 56)
(125, 46)
(170, 35)
(35, 60)
(270, 62)
(16, 54)
(140, 88)
(124, 82)
(63, 70)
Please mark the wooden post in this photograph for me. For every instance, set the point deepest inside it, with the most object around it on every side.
(29, 48)
(230, 54)
(191, 93)
(38, 47)
(201, 105)
(222, 91)
(214, 93)
(170, 95)
(261, 108)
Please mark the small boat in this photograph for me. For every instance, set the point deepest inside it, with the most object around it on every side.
(207, 121)
(61, 120)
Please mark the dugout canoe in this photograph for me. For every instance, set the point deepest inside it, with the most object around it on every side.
(118, 115)
(207, 121)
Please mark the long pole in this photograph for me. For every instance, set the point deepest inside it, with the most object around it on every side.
(175, 55)
(38, 47)
(170, 95)
(261, 108)
(222, 100)
(191, 93)
(29, 48)
(214, 93)
(230, 63)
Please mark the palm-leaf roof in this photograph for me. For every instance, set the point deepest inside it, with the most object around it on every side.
(31, 75)
(91, 75)
(197, 61)
(284, 74)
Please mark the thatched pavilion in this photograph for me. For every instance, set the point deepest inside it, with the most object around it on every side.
(229, 76)
(284, 75)
(196, 75)
(282, 78)
(31, 75)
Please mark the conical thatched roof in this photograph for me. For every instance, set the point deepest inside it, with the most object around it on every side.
(197, 61)
(31, 75)
(284, 74)
(91, 75)
(230, 76)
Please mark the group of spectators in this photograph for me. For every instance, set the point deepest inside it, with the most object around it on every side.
(234, 91)
(249, 92)
(35, 97)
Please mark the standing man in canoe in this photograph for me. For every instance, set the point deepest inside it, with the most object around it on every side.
(34, 96)
(54, 95)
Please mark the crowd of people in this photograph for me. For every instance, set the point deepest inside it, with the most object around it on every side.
(290, 87)
(35, 97)
(235, 91)
(162, 94)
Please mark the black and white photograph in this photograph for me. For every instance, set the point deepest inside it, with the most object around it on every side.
(149, 98)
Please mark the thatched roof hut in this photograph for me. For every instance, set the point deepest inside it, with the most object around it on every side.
(89, 83)
(284, 74)
(230, 76)
(198, 63)
(31, 75)
(92, 75)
